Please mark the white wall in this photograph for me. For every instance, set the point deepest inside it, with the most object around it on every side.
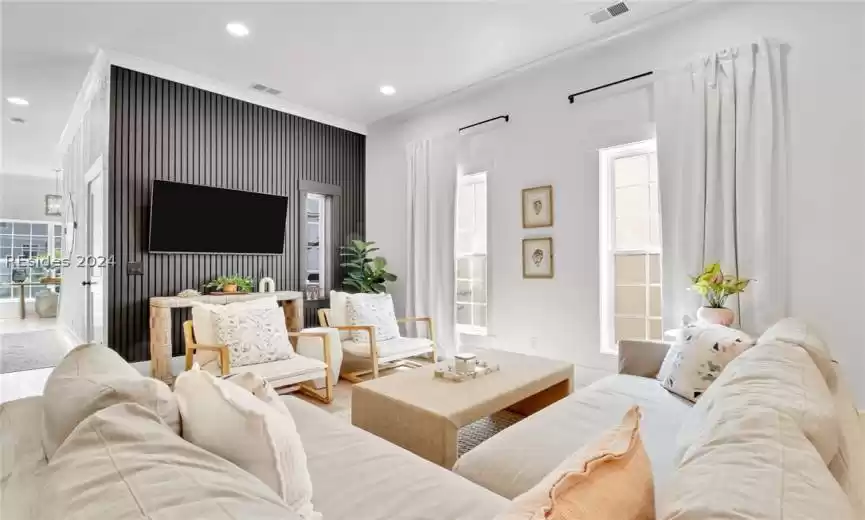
(22, 197)
(551, 141)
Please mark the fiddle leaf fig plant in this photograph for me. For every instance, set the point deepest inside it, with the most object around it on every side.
(363, 272)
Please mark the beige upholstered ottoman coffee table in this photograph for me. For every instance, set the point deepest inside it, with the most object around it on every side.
(423, 414)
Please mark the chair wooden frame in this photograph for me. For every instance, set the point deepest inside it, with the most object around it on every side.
(225, 360)
(357, 375)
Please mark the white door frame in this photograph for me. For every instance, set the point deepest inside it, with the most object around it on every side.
(96, 169)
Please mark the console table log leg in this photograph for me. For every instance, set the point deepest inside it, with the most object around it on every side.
(293, 310)
(160, 343)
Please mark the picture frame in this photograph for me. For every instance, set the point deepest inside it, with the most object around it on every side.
(538, 207)
(538, 257)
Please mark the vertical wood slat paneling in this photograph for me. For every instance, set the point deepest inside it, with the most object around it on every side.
(165, 130)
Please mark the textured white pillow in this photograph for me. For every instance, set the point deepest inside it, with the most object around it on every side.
(254, 335)
(372, 309)
(339, 312)
(697, 358)
(225, 419)
(203, 321)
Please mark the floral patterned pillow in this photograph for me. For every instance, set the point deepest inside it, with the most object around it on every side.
(372, 309)
(697, 358)
(254, 336)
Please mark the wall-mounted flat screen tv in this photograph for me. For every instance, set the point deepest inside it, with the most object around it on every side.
(187, 218)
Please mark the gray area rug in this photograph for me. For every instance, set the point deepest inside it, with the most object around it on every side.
(477, 432)
(30, 350)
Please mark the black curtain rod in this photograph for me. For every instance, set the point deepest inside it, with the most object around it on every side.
(506, 117)
(632, 78)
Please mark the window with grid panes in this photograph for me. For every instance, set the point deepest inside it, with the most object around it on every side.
(471, 254)
(631, 264)
(21, 239)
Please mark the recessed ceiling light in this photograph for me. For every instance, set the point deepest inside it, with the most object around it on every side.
(17, 120)
(18, 101)
(387, 90)
(237, 29)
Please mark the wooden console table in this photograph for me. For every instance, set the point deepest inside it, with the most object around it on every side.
(160, 322)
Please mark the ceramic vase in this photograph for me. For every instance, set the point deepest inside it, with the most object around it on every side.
(716, 315)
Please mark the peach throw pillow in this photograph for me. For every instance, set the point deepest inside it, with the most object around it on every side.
(609, 478)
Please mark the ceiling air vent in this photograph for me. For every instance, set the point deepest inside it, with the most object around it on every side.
(619, 8)
(264, 88)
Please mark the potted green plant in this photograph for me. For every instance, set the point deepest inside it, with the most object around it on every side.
(229, 284)
(716, 287)
(363, 272)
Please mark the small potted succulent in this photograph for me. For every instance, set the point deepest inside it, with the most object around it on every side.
(716, 287)
(230, 284)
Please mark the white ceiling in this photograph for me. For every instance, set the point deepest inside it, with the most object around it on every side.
(325, 56)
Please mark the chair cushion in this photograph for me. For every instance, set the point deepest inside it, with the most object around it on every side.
(697, 358)
(589, 484)
(372, 309)
(254, 335)
(286, 371)
(397, 347)
(124, 463)
(91, 378)
(229, 421)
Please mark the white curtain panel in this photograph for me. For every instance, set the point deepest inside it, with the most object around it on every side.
(722, 158)
(430, 210)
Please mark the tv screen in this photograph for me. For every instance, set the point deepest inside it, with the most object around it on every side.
(186, 218)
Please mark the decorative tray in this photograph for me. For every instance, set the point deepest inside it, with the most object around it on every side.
(446, 371)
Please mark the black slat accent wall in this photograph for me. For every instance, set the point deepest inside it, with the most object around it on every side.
(161, 129)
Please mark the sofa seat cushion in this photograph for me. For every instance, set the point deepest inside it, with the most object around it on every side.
(286, 371)
(360, 476)
(393, 348)
(124, 463)
(22, 457)
(516, 459)
(755, 464)
(91, 378)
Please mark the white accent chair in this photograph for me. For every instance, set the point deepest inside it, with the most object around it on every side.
(297, 373)
(381, 355)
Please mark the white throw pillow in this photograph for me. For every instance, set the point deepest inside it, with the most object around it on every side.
(372, 309)
(227, 420)
(203, 319)
(254, 336)
(697, 358)
(339, 313)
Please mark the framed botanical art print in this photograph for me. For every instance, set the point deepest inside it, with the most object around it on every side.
(538, 207)
(538, 257)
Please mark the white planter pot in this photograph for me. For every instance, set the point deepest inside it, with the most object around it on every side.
(716, 315)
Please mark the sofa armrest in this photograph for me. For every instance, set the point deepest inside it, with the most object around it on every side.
(641, 358)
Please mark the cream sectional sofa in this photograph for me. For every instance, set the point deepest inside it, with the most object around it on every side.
(775, 437)
(124, 461)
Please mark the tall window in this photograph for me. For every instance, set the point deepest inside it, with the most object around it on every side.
(24, 240)
(316, 240)
(471, 254)
(630, 244)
